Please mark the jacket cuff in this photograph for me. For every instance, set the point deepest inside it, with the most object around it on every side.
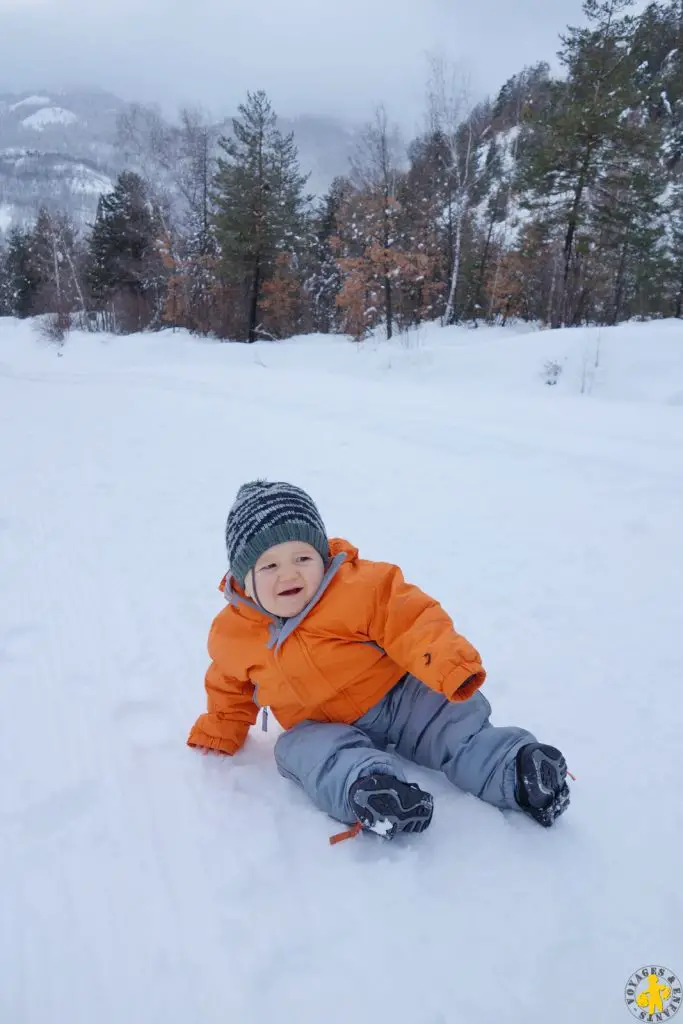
(223, 744)
(464, 681)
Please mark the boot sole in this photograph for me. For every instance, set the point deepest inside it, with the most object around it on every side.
(387, 806)
(544, 793)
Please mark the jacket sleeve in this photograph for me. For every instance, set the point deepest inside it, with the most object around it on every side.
(420, 637)
(231, 709)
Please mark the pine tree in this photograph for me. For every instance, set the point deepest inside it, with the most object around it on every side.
(627, 226)
(658, 58)
(6, 304)
(126, 271)
(322, 275)
(673, 283)
(421, 196)
(23, 276)
(425, 196)
(658, 52)
(583, 128)
(519, 97)
(260, 206)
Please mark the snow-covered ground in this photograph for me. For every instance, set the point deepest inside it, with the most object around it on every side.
(144, 882)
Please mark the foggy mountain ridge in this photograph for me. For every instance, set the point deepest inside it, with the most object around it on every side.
(61, 150)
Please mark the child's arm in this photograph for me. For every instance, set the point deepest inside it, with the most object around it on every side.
(231, 709)
(418, 635)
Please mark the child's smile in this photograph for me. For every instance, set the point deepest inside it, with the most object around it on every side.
(285, 578)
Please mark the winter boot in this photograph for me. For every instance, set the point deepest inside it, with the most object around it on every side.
(386, 805)
(542, 789)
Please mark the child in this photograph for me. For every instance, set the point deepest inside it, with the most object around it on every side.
(353, 661)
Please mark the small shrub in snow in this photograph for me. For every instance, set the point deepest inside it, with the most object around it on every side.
(55, 328)
(551, 372)
(412, 338)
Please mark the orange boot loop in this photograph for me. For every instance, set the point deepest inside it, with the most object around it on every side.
(350, 833)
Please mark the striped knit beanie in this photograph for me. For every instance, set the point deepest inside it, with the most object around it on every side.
(265, 514)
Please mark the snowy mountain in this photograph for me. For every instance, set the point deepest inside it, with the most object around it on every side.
(61, 150)
(48, 116)
(144, 882)
(58, 150)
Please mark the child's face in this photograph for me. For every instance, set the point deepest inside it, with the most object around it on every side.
(285, 578)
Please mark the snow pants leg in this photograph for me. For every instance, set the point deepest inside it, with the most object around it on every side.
(412, 723)
(326, 759)
(456, 738)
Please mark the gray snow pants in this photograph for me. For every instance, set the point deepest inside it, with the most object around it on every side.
(421, 726)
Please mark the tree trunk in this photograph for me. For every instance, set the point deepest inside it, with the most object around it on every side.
(388, 306)
(387, 237)
(450, 237)
(619, 286)
(253, 304)
(449, 316)
(573, 224)
(74, 277)
(58, 283)
(679, 300)
(482, 269)
(553, 320)
(205, 198)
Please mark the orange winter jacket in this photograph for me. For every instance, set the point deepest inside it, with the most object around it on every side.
(363, 631)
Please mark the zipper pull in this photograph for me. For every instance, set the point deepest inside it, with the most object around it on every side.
(264, 720)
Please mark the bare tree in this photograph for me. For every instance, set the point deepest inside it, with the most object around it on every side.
(55, 254)
(451, 117)
(180, 158)
(376, 168)
(503, 241)
(197, 166)
(146, 138)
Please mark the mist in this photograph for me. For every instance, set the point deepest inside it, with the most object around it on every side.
(342, 62)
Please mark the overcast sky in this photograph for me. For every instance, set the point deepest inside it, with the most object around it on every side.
(312, 56)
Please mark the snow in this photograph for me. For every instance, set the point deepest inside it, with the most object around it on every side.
(382, 827)
(88, 182)
(507, 141)
(6, 217)
(507, 233)
(83, 180)
(143, 881)
(47, 116)
(31, 101)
